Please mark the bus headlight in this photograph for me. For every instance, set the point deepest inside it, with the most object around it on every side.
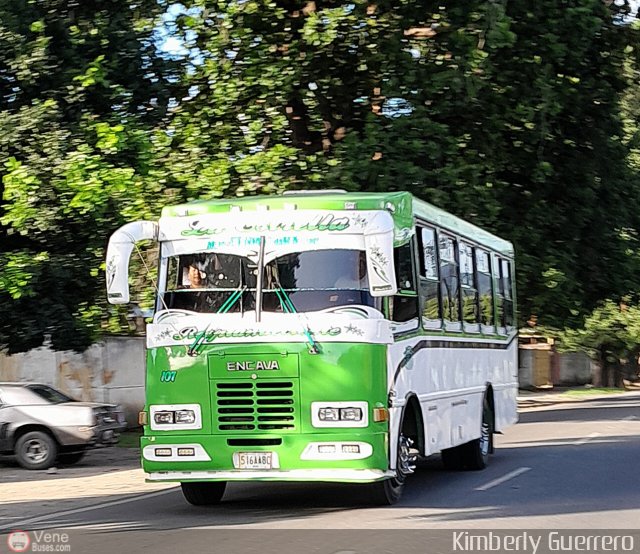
(329, 414)
(175, 417)
(350, 414)
(185, 416)
(339, 414)
(163, 418)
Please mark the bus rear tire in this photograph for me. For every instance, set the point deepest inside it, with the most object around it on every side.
(203, 493)
(476, 453)
(452, 458)
(472, 455)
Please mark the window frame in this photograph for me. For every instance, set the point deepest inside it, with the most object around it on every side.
(469, 327)
(486, 329)
(429, 324)
(402, 327)
(509, 319)
(454, 326)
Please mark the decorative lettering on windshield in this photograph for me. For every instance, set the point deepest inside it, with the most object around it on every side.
(191, 333)
(196, 230)
(323, 223)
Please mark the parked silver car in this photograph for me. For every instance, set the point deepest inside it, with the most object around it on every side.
(42, 426)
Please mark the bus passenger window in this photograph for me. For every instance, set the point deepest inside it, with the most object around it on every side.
(449, 280)
(470, 311)
(485, 291)
(429, 278)
(404, 305)
(506, 287)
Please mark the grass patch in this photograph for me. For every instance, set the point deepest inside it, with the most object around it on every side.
(130, 438)
(593, 391)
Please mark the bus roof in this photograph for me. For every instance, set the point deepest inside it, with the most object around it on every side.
(403, 206)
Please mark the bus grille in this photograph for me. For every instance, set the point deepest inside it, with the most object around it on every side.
(255, 406)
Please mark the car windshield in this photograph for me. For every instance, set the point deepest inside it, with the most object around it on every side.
(311, 280)
(50, 394)
(31, 395)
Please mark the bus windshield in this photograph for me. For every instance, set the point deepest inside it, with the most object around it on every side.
(311, 280)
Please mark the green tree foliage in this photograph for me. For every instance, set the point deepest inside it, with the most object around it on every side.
(81, 90)
(505, 113)
(569, 194)
(610, 336)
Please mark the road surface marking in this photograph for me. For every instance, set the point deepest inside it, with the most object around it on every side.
(58, 515)
(629, 418)
(502, 479)
(586, 439)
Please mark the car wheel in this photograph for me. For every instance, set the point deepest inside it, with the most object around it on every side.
(36, 450)
(70, 458)
(203, 493)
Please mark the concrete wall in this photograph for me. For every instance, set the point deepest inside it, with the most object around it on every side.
(566, 369)
(111, 371)
(575, 368)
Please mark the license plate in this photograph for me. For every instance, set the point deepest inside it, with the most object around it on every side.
(253, 460)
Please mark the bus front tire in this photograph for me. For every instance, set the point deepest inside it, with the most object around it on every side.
(389, 491)
(203, 493)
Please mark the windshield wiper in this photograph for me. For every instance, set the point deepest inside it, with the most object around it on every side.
(193, 349)
(289, 308)
(230, 302)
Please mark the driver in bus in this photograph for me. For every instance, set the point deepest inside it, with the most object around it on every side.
(195, 277)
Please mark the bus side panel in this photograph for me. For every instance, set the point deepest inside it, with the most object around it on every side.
(450, 380)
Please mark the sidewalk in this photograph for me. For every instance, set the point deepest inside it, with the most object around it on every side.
(104, 475)
(561, 395)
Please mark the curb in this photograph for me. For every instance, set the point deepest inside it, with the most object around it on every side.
(560, 398)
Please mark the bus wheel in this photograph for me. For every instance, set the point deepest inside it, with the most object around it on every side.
(476, 453)
(452, 458)
(389, 491)
(203, 493)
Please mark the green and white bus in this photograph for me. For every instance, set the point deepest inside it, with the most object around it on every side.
(321, 336)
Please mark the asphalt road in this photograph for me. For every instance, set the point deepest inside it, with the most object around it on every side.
(567, 466)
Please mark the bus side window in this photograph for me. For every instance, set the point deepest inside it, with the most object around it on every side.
(404, 305)
(485, 291)
(507, 291)
(449, 282)
(429, 278)
(499, 296)
(470, 311)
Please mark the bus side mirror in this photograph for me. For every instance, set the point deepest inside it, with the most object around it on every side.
(119, 251)
(378, 241)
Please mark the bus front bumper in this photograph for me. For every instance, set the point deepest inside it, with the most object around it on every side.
(339, 457)
(324, 475)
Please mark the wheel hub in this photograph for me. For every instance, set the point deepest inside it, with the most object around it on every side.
(406, 457)
(36, 451)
